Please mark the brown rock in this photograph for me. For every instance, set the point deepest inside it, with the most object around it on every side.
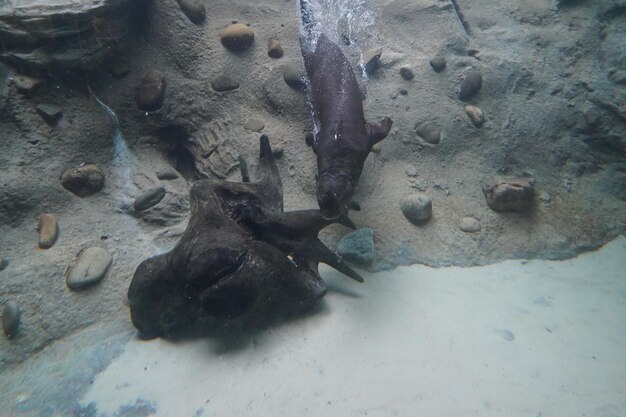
(151, 92)
(25, 84)
(510, 195)
(274, 49)
(48, 230)
(83, 181)
(475, 114)
(237, 37)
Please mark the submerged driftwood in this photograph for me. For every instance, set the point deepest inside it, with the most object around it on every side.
(240, 256)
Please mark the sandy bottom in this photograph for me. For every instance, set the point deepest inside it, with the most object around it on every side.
(518, 338)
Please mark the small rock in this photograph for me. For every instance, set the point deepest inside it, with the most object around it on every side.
(470, 225)
(51, 113)
(358, 247)
(93, 263)
(151, 92)
(430, 132)
(294, 76)
(371, 59)
(417, 208)
(545, 197)
(509, 195)
(48, 230)
(274, 48)
(167, 174)
(377, 148)
(277, 151)
(10, 319)
(120, 70)
(470, 85)
(224, 83)
(411, 171)
(149, 198)
(254, 125)
(406, 72)
(83, 181)
(4, 262)
(475, 114)
(237, 37)
(194, 11)
(344, 30)
(403, 91)
(438, 63)
(617, 77)
(25, 84)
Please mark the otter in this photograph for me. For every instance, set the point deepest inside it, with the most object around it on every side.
(344, 138)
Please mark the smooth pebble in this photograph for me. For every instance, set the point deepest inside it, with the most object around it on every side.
(93, 263)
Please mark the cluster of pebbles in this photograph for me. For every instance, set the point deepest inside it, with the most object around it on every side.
(503, 195)
(92, 263)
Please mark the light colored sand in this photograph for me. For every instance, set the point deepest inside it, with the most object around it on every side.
(537, 338)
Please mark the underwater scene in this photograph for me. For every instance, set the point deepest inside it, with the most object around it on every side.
(313, 208)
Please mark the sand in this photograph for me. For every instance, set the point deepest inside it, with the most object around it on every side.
(517, 338)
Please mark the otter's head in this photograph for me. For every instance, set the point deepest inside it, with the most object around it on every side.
(334, 192)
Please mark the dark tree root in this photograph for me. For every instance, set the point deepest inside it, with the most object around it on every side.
(240, 257)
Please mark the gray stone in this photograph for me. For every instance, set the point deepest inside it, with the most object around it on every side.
(545, 197)
(151, 91)
(4, 262)
(51, 113)
(167, 174)
(254, 125)
(149, 198)
(417, 208)
(93, 263)
(274, 48)
(10, 319)
(475, 115)
(48, 230)
(25, 84)
(120, 70)
(371, 59)
(411, 171)
(470, 225)
(224, 83)
(237, 37)
(358, 247)
(377, 148)
(470, 85)
(429, 131)
(406, 72)
(438, 63)
(194, 10)
(294, 76)
(403, 91)
(84, 180)
(618, 77)
(509, 195)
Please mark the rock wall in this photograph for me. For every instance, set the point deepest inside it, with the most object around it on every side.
(551, 95)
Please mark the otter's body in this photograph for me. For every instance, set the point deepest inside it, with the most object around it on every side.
(344, 139)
